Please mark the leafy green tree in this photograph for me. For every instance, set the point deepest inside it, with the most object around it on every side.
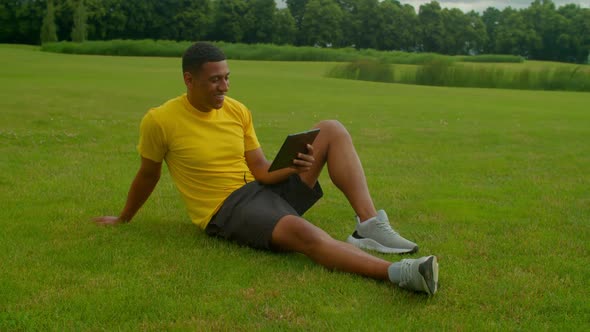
(455, 25)
(106, 19)
(465, 33)
(542, 16)
(491, 17)
(193, 20)
(363, 19)
(575, 41)
(297, 9)
(514, 35)
(321, 24)
(228, 22)
(48, 28)
(139, 21)
(477, 35)
(7, 19)
(26, 18)
(399, 26)
(285, 27)
(79, 30)
(260, 18)
(432, 36)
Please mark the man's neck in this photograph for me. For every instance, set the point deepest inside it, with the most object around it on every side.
(196, 105)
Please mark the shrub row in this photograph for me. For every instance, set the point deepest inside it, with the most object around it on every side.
(267, 52)
(442, 72)
(496, 58)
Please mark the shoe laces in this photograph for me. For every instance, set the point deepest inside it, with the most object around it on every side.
(406, 272)
(385, 227)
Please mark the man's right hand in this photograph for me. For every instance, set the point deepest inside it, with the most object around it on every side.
(144, 183)
(108, 220)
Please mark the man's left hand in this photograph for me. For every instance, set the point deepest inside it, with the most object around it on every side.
(304, 161)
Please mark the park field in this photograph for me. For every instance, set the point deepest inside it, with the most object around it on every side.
(494, 182)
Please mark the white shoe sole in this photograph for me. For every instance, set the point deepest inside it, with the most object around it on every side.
(430, 276)
(370, 244)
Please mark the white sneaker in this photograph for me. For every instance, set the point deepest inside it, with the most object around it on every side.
(377, 234)
(420, 275)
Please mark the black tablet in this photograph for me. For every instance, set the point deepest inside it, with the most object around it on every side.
(294, 144)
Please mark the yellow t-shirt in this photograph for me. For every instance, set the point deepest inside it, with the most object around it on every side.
(204, 151)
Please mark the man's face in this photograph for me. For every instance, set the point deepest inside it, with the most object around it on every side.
(206, 89)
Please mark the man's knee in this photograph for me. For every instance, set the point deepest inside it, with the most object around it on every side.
(333, 128)
(295, 233)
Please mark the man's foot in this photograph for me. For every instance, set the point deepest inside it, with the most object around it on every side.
(420, 275)
(377, 234)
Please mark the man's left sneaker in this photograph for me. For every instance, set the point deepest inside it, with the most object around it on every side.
(377, 234)
(420, 275)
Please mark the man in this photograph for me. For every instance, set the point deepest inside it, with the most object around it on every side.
(208, 142)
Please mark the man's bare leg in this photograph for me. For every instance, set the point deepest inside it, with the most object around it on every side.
(334, 146)
(294, 233)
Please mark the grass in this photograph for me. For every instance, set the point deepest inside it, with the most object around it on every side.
(495, 182)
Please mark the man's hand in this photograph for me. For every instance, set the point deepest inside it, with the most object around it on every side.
(108, 220)
(304, 161)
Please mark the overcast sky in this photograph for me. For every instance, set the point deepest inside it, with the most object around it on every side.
(480, 5)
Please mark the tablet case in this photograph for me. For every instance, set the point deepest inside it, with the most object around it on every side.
(293, 144)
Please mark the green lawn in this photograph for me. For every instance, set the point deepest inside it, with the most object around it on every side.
(494, 182)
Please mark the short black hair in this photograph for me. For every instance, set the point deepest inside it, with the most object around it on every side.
(198, 54)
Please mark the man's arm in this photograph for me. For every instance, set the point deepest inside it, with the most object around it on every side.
(258, 165)
(144, 183)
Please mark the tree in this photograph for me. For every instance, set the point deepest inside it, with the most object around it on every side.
(464, 33)
(106, 19)
(399, 26)
(79, 30)
(361, 23)
(514, 35)
(137, 16)
(259, 18)
(48, 28)
(491, 18)
(432, 36)
(321, 23)
(285, 27)
(575, 41)
(193, 20)
(548, 25)
(228, 22)
(477, 35)
(297, 9)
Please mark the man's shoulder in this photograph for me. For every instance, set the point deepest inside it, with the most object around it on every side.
(235, 106)
(170, 105)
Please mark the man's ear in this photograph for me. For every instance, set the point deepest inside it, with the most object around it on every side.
(188, 79)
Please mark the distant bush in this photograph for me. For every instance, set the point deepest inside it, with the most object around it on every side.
(120, 47)
(266, 52)
(364, 70)
(497, 58)
(441, 72)
(437, 72)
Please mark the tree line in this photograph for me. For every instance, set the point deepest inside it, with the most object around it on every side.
(541, 31)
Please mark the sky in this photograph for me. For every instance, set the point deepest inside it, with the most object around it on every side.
(481, 5)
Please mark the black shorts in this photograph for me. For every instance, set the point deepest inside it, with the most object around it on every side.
(250, 214)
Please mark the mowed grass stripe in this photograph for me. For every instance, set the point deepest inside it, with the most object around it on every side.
(495, 182)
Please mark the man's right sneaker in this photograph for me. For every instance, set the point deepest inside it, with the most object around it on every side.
(419, 275)
(377, 234)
